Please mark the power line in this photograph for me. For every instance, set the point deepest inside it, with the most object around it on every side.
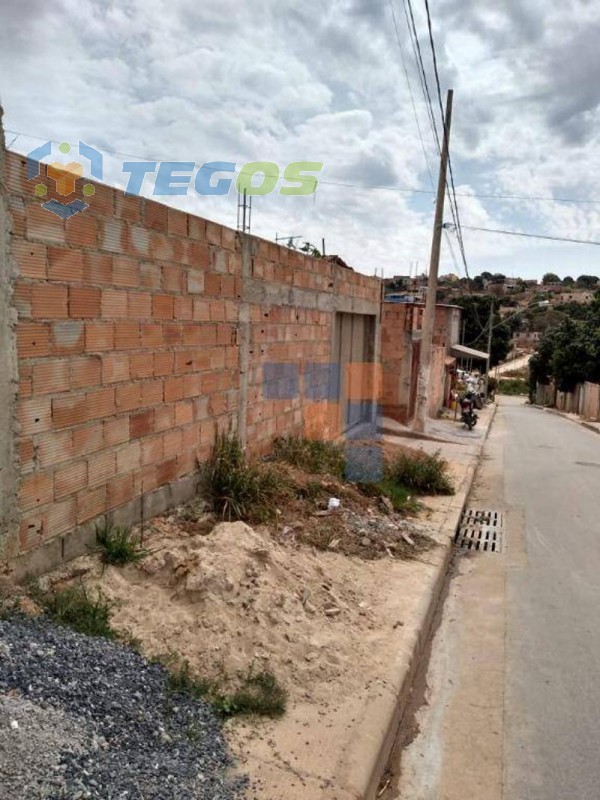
(361, 186)
(533, 235)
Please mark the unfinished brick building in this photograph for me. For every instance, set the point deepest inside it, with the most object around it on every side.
(131, 334)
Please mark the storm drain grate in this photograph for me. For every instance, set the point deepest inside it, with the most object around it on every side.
(480, 529)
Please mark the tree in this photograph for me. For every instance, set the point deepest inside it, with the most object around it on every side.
(498, 277)
(550, 277)
(568, 281)
(587, 281)
(486, 276)
(478, 283)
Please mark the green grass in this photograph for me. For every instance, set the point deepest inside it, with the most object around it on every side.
(401, 497)
(421, 473)
(312, 455)
(74, 607)
(513, 386)
(239, 489)
(257, 693)
(118, 546)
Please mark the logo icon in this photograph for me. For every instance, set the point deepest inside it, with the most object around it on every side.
(65, 176)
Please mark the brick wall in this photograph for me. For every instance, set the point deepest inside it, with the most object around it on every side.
(142, 332)
(400, 327)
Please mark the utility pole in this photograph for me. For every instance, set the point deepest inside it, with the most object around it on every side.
(422, 404)
(489, 349)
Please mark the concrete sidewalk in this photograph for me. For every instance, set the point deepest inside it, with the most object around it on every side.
(340, 750)
(591, 426)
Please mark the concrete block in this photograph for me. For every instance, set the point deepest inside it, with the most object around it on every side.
(38, 561)
(184, 489)
(79, 542)
(157, 502)
(128, 514)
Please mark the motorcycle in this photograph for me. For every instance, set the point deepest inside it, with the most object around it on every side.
(468, 417)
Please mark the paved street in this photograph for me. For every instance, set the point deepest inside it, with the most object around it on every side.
(514, 683)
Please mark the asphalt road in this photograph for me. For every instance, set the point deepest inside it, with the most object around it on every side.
(514, 700)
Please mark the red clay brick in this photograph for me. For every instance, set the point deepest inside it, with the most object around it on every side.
(129, 457)
(50, 377)
(199, 255)
(54, 448)
(150, 275)
(217, 311)
(68, 338)
(173, 333)
(119, 491)
(139, 305)
(61, 517)
(173, 389)
(100, 403)
(115, 431)
(195, 281)
(162, 306)
(184, 413)
(113, 236)
(177, 222)
(156, 216)
(30, 258)
(166, 471)
(201, 310)
(97, 268)
(127, 208)
(115, 368)
(126, 272)
(153, 392)
(91, 503)
(101, 467)
(173, 442)
(65, 265)
(114, 304)
(99, 336)
(49, 302)
(141, 424)
(172, 279)
(228, 285)
(103, 200)
(129, 397)
(197, 227)
(84, 302)
(22, 299)
(88, 440)
(33, 339)
(192, 385)
(152, 450)
(127, 335)
(34, 415)
(70, 479)
(212, 283)
(152, 335)
(163, 363)
(32, 531)
(82, 230)
(36, 490)
(213, 233)
(164, 418)
(26, 454)
(183, 309)
(141, 365)
(85, 372)
(44, 225)
(69, 411)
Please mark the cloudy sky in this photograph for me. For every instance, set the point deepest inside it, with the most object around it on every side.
(291, 80)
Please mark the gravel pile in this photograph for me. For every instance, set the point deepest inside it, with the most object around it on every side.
(83, 717)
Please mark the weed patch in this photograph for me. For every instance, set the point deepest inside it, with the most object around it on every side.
(74, 607)
(238, 489)
(256, 693)
(513, 386)
(118, 546)
(312, 455)
(421, 473)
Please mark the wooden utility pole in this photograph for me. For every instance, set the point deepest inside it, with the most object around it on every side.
(422, 404)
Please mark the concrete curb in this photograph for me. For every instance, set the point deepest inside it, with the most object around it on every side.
(583, 423)
(368, 755)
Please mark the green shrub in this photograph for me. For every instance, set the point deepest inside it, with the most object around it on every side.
(312, 455)
(117, 545)
(421, 473)
(238, 489)
(401, 497)
(73, 607)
